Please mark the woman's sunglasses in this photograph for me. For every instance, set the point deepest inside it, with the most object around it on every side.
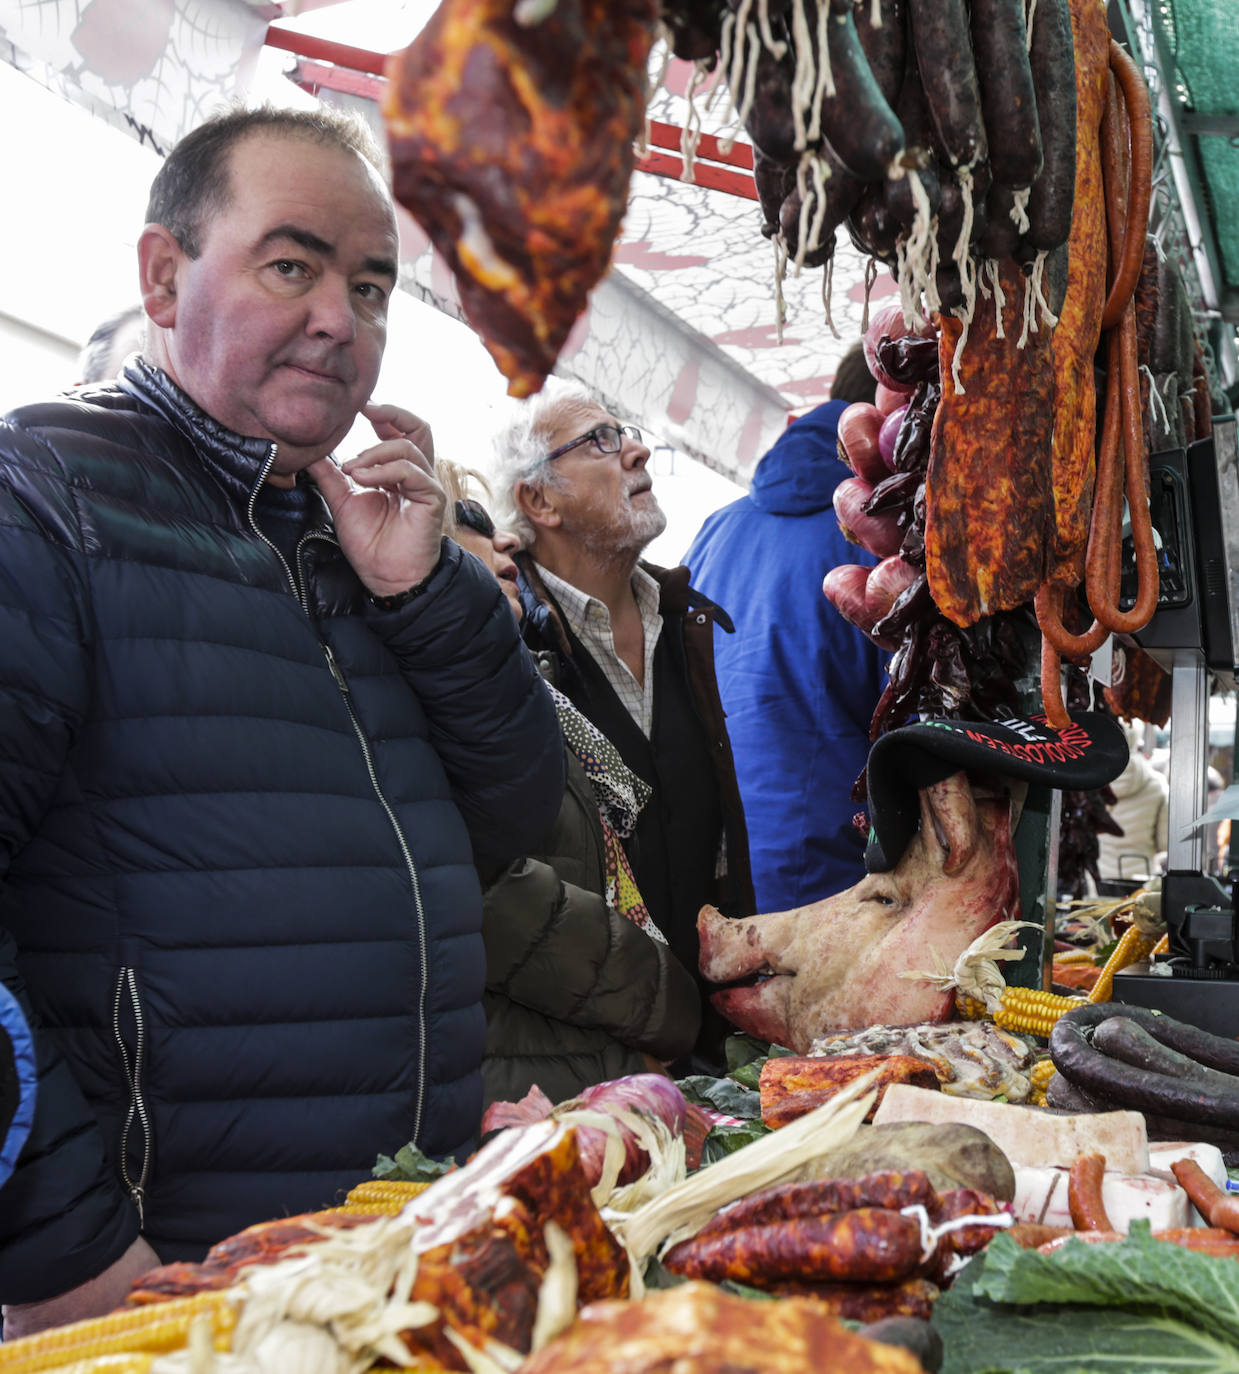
(474, 516)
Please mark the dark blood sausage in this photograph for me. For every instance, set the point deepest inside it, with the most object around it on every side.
(866, 1245)
(1213, 1051)
(1008, 100)
(822, 1197)
(774, 180)
(913, 115)
(872, 228)
(1001, 235)
(1120, 1037)
(943, 46)
(949, 284)
(951, 208)
(769, 123)
(696, 28)
(842, 192)
(900, 200)
(1208, 1096)
(884, 44)
(912, 1334)
(1054, 77)
(857, 121)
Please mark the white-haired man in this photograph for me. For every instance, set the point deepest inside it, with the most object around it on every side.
(632, 646)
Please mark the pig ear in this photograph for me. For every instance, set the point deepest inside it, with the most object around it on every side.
(949, 820)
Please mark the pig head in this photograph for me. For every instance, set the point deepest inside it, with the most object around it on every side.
(835, 965)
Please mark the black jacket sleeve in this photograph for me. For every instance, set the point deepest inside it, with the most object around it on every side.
(491, 718)
(63, 1216)
(562, 951)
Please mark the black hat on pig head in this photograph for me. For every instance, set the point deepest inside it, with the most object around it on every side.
(1089, 753)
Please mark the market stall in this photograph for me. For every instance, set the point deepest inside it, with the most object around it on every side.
(873, 1183)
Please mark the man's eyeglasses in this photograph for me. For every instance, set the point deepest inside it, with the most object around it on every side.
(605, 438)
(474, 516)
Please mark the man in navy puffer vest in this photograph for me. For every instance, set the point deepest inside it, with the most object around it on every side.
(259, 723)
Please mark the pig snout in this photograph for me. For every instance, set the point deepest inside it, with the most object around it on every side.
(735, 948)
(741, 948)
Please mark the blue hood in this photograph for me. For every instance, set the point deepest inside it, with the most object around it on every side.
(801, 470)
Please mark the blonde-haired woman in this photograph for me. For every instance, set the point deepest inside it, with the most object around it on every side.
(580, 984)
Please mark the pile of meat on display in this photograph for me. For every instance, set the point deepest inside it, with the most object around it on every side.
(997, 161)
(512, 1261)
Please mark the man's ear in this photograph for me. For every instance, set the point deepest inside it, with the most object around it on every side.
(159, 260)
(537, 504)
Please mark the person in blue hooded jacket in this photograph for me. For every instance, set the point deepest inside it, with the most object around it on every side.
(798, 683)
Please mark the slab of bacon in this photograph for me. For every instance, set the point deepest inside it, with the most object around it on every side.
(512, 146)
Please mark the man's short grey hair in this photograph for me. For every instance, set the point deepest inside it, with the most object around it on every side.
(110, 344)
(521, 446)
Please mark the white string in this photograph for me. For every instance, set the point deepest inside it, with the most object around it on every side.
(775, 45)
(824, 87)
(828, 284)
(780, 270)
(871, 275)
(803, 81)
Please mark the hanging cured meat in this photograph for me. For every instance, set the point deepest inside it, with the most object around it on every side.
(512, 145)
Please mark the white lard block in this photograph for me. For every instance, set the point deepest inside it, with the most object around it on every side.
(1041, 1196)
(1163, 1153)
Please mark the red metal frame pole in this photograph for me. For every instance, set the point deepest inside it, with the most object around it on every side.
(324, 50)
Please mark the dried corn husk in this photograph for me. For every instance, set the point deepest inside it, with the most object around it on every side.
(684, 1209)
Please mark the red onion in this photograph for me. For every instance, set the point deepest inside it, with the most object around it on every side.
(877, 533)
(845, 587)
(858, 430)
(892, 576)
(887, 436)
(888, 323)
(887, 400)
(651, 1095)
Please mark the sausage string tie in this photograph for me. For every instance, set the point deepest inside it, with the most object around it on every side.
(825, 84)
(780, 271)
(1156, 404)
(931, 1234)
(693, 127)
(871, 275)
(804, 80)
(776, 46)
(990, 269)
(1048, 317)
(828, 282)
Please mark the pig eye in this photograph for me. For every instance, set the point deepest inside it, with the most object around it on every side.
(881, 896)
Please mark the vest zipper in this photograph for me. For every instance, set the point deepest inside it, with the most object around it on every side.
(341, 682)
(133, 1075)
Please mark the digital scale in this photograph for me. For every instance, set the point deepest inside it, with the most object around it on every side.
(1194, 502)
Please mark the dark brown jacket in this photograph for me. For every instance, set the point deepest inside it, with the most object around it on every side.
(687, 760)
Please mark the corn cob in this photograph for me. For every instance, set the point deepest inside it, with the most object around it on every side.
(158, 1327)
(135, 1363)
(1039, 1075)
(380, 1198)
(1041, 1072)
(1029, 1010)
(1133, 946)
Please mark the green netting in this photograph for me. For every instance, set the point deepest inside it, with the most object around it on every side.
(1203, 35)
